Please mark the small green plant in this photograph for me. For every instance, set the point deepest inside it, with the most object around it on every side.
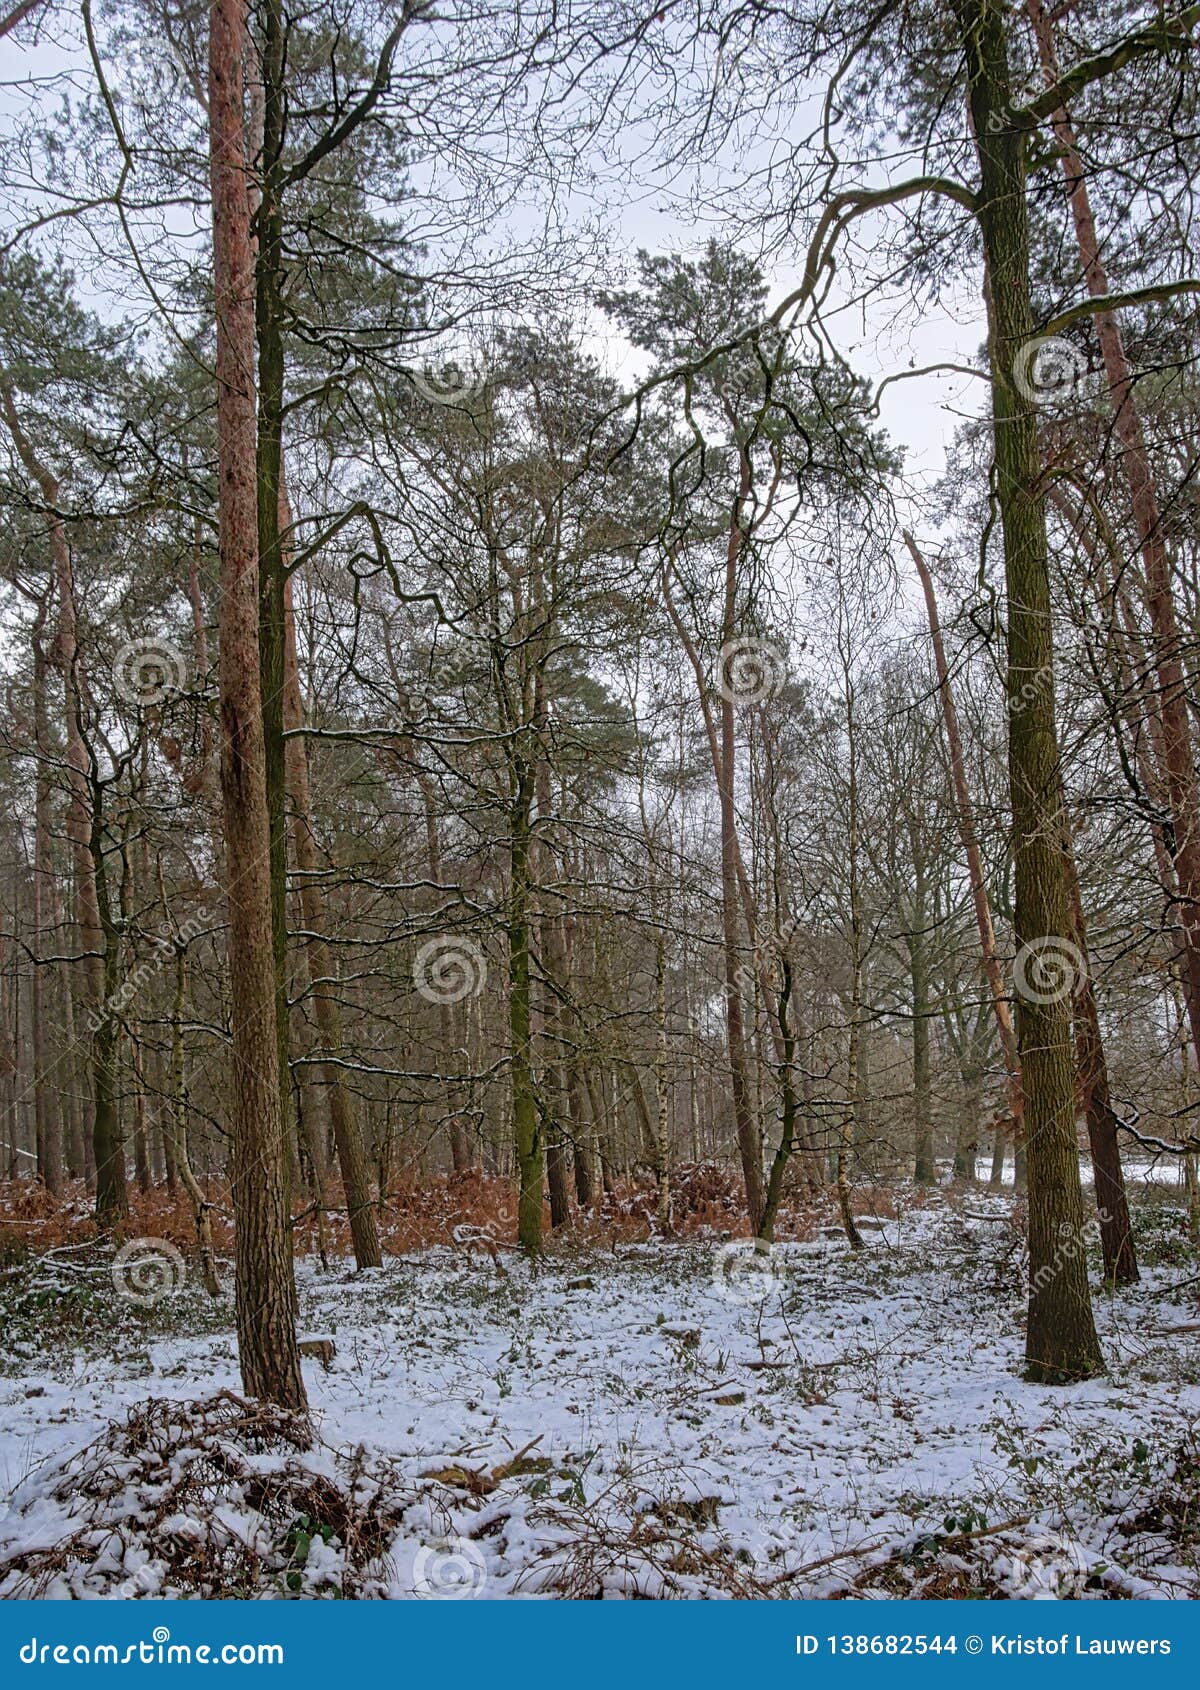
(958, 1522)
(297, 1542)
(1161, 1235)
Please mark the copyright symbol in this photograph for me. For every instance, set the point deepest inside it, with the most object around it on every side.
(974, 1645)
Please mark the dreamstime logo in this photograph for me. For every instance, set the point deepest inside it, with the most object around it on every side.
(1051, 1567)
(1049, 370)
(453, 1571)
(746, 1270)
(1048, 969)
(727, 62)
(157, 1650)
(445, 669)
(1029, 689)
(188, 74)
(1072, 1243)
(1014, 107)
(757, 353)
(1094, 635)
(448, 970)
(164, 950)
(144, 1582)
(451, 382)
(767, 955)
(147, 671)
(146, 1270)
(750, 670)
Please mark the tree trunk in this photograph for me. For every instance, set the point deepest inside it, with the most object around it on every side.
(527, 1135)
(552, 981)
(347, 1134)
(787, 1130)
(141, 1137)
(924, 1168)
(1061, 1342)
(46, 1101)
(582, 1131)
(661, 1124)
(594, 1086)
(112, 1196)
(748, 1130)
(585, 1187)
(965, 813)
(849, 1128)
(179, 1135)
(79, 1143)
(966, 1144)
(108, 1152)
(1171, 688)
(784, 1005)
(1112, 1204)
(265, 1285)
(267, 254)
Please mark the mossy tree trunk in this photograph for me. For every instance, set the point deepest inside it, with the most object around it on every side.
(1061, 1341)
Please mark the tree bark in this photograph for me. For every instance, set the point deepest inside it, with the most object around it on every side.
(46, 1099)
(746, 1125)
(924, 1166)
(18, 14)
(1061, 1342)
(265, 1285)
(267, 251)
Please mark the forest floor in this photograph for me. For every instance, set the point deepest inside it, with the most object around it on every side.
(655, 1418)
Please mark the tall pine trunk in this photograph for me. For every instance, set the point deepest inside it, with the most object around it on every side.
(265, 1285)
(267, 255)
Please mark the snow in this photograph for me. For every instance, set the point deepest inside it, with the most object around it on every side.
(692, 1420)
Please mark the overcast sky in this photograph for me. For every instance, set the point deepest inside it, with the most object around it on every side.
(886, 339)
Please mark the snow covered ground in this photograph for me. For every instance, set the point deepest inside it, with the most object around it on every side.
(669, 1420)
